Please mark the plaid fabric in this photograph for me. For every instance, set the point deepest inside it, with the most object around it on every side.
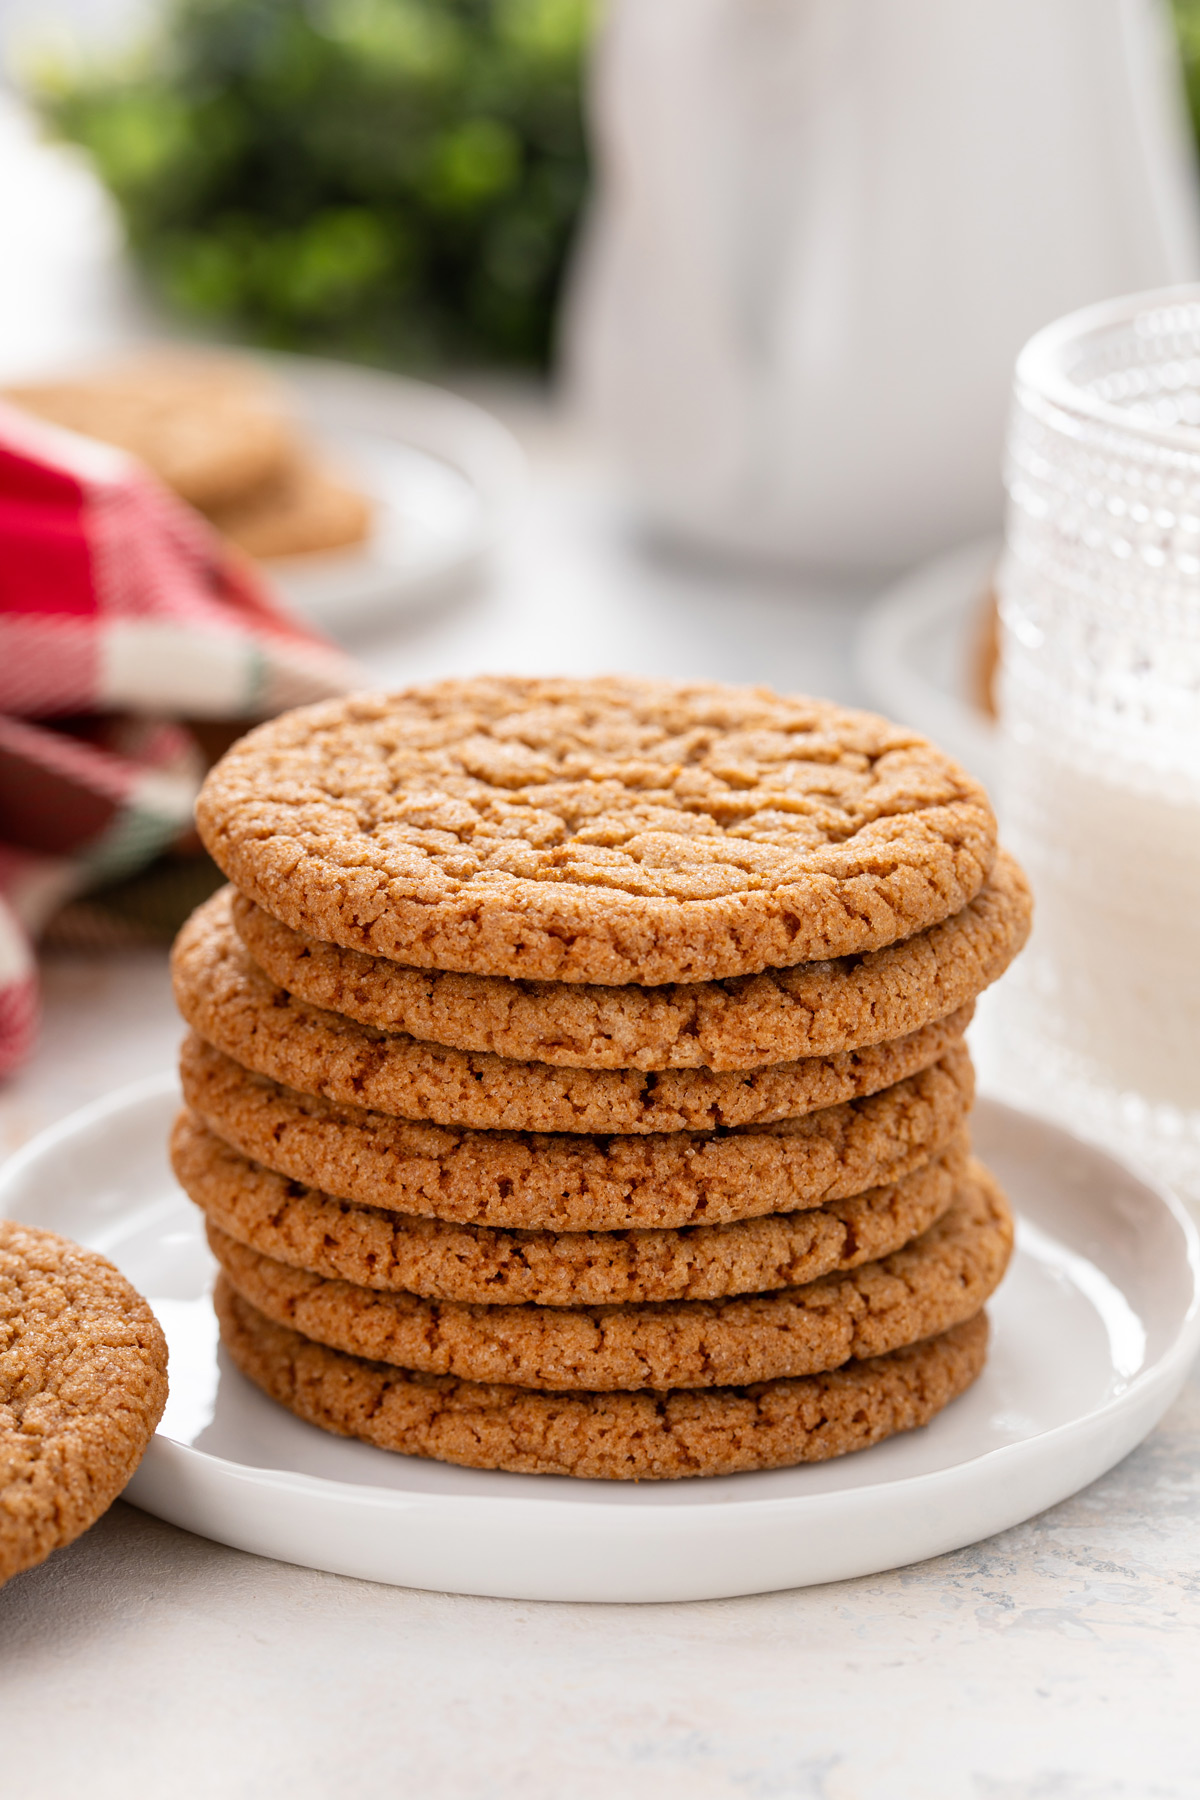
(121, 616)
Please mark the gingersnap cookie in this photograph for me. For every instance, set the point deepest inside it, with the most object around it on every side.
(225, 996)
(749, 1021)
(605, 831)
(535, 1181)
(942, 1278)
(300, 508)
(307, 1229)
(602, 1437)
(83, 1382)
(207, 426)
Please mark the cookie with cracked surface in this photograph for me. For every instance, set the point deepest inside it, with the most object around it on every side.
(942, 1278)
(537, 1181)
(749, 1021)
(603, 1437)
(310, 1230)
(83, 1382)
(606, 831)
(226, 997)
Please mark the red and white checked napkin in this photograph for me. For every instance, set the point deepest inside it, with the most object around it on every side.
(121, 613)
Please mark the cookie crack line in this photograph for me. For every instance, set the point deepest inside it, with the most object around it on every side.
(475, 826)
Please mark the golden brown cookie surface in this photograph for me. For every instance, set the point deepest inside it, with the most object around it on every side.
(818, 1009)
(604, 1437)
(575, 1182)
(605, 831)
(83, 1382)
(224, 995)
(940, 1280)
(339, 1239)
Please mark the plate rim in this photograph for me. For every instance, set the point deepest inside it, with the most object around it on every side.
(347, 592)
(456, 430)
(1168, 1371)
(883, 634)
(509, 475)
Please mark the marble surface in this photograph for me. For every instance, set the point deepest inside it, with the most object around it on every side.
(1059, 1661)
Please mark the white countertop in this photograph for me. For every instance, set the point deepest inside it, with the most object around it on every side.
(1059, 1661)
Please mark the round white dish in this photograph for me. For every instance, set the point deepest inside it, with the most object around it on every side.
(915, 649)
(442, 473)
(1094, 1330)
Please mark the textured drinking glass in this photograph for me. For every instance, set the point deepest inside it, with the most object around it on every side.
(1100, 609)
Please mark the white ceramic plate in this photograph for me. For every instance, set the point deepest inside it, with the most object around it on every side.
(1094, 1330)
(442, 473)
(916, 645)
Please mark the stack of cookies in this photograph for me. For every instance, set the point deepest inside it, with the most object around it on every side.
(576, 1081)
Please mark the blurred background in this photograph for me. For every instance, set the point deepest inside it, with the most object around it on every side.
(669, 336)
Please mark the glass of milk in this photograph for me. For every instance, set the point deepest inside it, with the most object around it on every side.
(1100, 699)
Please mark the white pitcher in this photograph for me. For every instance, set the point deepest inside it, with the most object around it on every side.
(824, 228)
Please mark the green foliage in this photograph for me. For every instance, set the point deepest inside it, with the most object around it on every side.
(1187, 29)
(394, 179)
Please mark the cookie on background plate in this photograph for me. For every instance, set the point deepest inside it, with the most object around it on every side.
(208, 426)
(83, 1382)
(300, 509)
(606, 831)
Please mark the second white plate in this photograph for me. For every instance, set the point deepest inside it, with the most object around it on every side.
(1094, 1329)
(916, 646)
(442, 473)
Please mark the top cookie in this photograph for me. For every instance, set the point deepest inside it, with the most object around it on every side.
(606, 831)
(83, 1381)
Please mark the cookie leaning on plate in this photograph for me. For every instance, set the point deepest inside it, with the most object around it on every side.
(83, 1382)
(748, 1022)
(224, 995)
(604, 831)
(604, 1437)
